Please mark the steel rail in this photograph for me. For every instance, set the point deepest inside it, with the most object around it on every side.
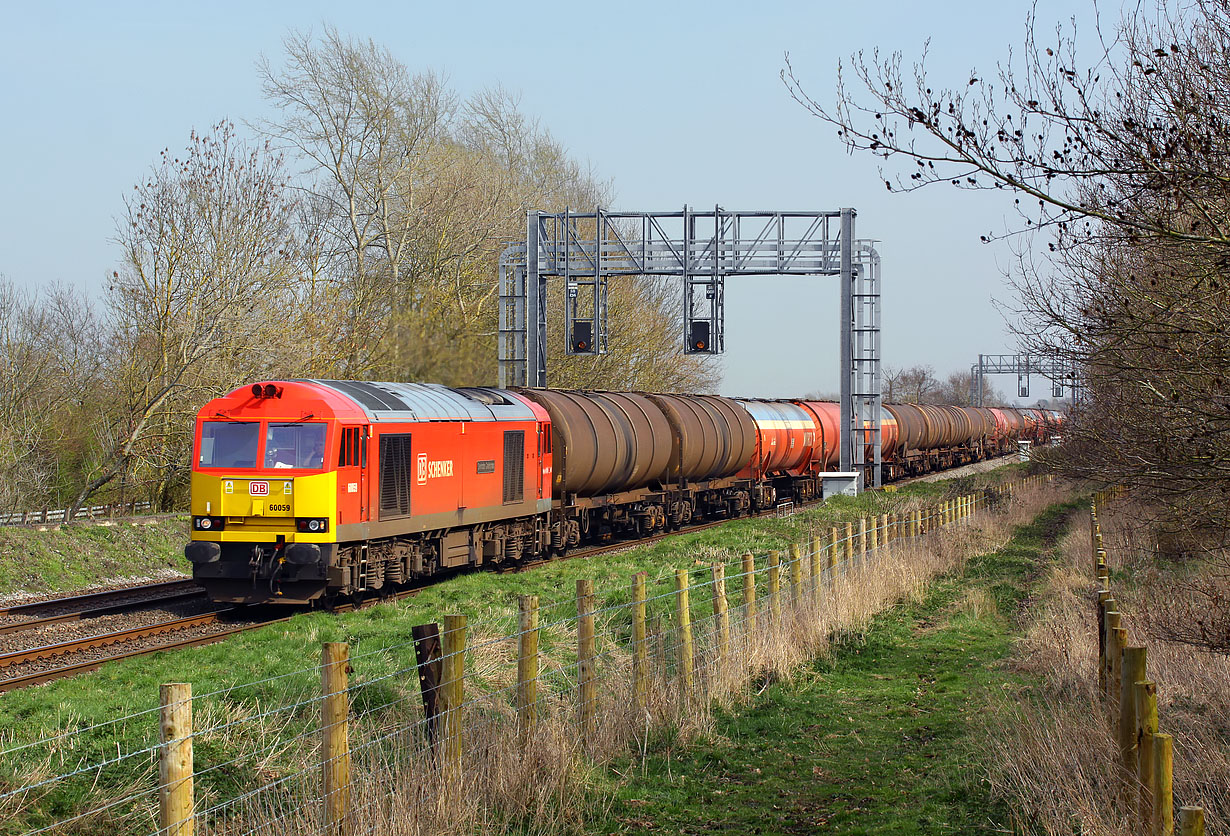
(21, 657)
(113, 609)
(39, 677)
(166, 587)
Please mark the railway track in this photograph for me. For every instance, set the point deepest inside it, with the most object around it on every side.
(60, 672)
(139, 595)
(176, 592)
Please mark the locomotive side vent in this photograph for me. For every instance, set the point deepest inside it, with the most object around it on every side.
(514, 466)
(396, 463)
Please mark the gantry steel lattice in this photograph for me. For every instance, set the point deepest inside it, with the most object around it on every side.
(703, 248)
(1059, 372)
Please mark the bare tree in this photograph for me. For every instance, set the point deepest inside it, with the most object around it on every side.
(1123, 159)
(917, 383)
(365, 126)
(50, 363)
(207, 264)
(890, 380)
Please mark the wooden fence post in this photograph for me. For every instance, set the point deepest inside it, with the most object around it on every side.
(335, 751)
(849, 549)
(722, 617)
(796, 573)
(453, 653)
(1163, 778)
(1105, 604)
(640, 650)
(586, 675)
(427, 656)
(1112, 653)
(775, 585)
(1146, 721)
(1191, 821)
(817, 567)
(876, 523)
(683, 614)
(749, 593)
(1116, 671)
(862, 540)
(1132, 670)
(527, 663)
(835, 552)
(175, 789)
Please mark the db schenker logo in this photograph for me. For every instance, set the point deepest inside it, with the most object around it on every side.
(432, 470)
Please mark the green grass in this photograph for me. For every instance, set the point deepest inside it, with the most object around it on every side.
(881, 738)
(380, 640)
(68, 557)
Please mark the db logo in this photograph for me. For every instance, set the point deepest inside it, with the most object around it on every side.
(422, 468)
(258, 488)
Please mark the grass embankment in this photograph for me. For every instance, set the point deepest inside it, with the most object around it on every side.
(61, 558)
(274, 667)
(883, 736)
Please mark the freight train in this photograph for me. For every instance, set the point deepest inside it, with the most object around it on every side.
(312, 491)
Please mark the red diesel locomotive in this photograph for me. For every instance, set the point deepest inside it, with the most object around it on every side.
(308, 490)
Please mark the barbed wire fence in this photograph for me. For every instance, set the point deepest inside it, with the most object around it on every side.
(464, 726)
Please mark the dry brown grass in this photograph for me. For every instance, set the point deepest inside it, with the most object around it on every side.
(544, 783)
(1057, 749)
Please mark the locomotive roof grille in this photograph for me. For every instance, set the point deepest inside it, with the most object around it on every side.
(392, 401)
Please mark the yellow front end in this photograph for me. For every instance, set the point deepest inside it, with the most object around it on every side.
(261, 516)
(257, 539)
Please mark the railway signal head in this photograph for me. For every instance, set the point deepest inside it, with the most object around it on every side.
(698, 338)
(582, 337)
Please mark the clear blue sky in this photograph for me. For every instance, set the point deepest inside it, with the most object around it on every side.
(675, 102)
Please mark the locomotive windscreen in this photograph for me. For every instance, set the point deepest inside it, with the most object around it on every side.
(229, 444)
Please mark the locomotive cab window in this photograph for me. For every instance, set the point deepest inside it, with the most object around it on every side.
(295, 446)
(348, 451)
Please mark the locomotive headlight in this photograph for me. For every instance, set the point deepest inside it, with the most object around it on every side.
(313, 525)
(205, 523)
